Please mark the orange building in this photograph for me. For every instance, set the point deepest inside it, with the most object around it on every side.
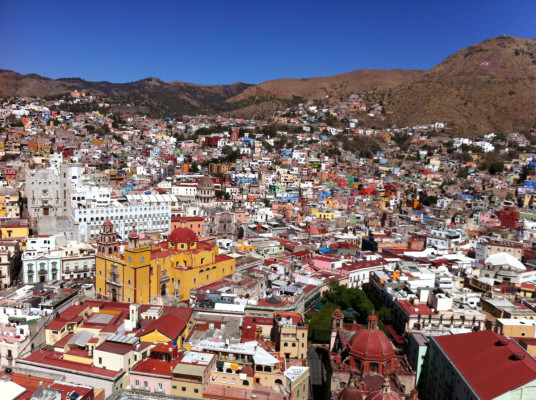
(193, 223)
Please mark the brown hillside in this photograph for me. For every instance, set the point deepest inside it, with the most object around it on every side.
(486, 87)
(337, 85)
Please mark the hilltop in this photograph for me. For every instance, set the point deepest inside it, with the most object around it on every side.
(486, 87)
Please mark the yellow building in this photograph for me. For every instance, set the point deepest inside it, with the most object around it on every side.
(319, 214)
(142, 273)
(512, 327)
(14, 228)
(9, 206)
(290, 335)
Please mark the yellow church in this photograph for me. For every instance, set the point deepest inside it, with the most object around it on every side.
(141, 273)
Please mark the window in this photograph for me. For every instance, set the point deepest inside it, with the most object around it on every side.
(100, 360)
(146, 385)
(285, 344)
(160, 387)
(136, 383)
(183, 389)
(196, 390)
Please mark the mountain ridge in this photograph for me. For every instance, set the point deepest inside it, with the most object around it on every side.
(485, 87)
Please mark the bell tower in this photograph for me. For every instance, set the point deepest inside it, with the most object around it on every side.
(133, 239)
(107, 243)
(337, 320)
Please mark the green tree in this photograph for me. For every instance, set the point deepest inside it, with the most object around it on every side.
(194, 167)
(240, 233)
(496, 167)
(463, 173)
(269, 130)
(429, 200)
(267, 146)
(227, 150)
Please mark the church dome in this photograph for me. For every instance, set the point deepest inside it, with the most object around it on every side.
(182, 235)
(371, 344)
(351, 392)
(205, 183)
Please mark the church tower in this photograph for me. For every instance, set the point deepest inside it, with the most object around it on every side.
(337, 320)
(107, 243)
(133, 238)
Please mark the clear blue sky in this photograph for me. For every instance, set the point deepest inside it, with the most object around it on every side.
(224, 41)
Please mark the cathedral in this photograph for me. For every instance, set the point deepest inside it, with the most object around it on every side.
(219, 222)
(365, 364)
(141, 273)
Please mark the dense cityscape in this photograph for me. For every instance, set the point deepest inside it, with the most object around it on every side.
(262, 200)
(294, 257)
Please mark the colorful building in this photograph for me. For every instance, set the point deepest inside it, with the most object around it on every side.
(143, 272)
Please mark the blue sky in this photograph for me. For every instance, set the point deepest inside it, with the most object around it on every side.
(225, 41)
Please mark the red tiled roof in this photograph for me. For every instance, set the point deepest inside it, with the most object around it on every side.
(115, 348)
(30, 383)
(170, 325)
(154, 366)
(53, 359)
(490, 369)
(414, 309)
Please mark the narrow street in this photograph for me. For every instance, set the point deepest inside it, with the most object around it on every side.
(318, 371)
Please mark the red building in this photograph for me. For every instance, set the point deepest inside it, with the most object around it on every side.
(509, 217)
(364, 360)
(212, 141)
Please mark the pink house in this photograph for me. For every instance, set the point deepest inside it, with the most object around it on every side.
(153, 374)
(325, 263)
(489, 220)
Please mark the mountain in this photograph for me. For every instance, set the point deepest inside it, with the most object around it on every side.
(344, 84)
(154, 94)
(486, 87)
(490, 86)
(181, 97)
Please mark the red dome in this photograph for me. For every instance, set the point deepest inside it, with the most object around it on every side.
(351, 393)
(182, 235)
(371, 344)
